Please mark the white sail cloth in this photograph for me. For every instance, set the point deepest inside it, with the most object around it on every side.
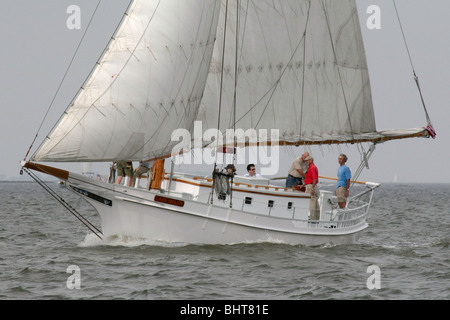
(149, 81)
(301, 68)
(305, 72)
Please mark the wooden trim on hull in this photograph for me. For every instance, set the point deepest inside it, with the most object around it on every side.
(58, 173)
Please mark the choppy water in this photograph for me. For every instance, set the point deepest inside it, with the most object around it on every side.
(408, 239)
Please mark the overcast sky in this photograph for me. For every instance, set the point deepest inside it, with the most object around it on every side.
(37, 47)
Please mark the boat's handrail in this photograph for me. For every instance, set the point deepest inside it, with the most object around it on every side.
(256, 186)
(330, 217)
(351, 216)
(203, 178)
(359, 195)
(355, 210)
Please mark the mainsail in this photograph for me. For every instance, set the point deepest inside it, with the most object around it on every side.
(300, 67)
(294, 65)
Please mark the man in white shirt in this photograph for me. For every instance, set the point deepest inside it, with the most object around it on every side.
(252, 171)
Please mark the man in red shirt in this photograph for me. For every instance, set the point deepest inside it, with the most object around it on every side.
(311, 181)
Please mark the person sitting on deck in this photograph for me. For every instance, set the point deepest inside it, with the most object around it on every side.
(252, 172)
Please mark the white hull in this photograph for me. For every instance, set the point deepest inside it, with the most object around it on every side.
(181, 217)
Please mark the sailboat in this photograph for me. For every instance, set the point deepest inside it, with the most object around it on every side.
(210, 78)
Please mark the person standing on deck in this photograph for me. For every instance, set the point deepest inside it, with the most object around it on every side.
(343, 184)
(311, 181)
(124, 169)
(297, 171)
(144, 167)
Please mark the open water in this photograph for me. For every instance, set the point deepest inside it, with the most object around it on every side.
(408, 241)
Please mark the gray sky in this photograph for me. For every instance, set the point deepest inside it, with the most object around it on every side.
(37, 47)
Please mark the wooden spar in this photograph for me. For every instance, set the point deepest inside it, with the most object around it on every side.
(158, 168)
(322, 177)
(157, 174)
(58, 173)
(335, 179)
(421, 134)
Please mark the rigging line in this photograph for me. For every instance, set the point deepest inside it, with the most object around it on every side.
(236, 68)
(72, 210)
(220, 97)
(236, 63)
(239, 55)
(184, 78)
(404, 37)
(327, 19)
(364, 161)
(416, 78)
(185, 105)
(223, 67)
(276, 84)
(304, 69)
(63, 79)
(117, 75)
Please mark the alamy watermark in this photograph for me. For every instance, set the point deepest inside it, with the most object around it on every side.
(253, 146)
(374, 280)
(374, 20)
(73, 281)
(73, 22)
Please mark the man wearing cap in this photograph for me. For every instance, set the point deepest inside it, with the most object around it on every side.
(230, 170)
(297, 171)
(311, 181)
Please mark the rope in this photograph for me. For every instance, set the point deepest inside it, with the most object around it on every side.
(72, 210)
(62, 80)
(238, 5)
(365, 156)
(302, 103)
(338, 69)
(429, 126)
(219, 111)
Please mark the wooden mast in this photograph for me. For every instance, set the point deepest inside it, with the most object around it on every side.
(157, 174)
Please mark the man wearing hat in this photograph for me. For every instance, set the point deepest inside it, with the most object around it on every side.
(311, 181)
(230, 169)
